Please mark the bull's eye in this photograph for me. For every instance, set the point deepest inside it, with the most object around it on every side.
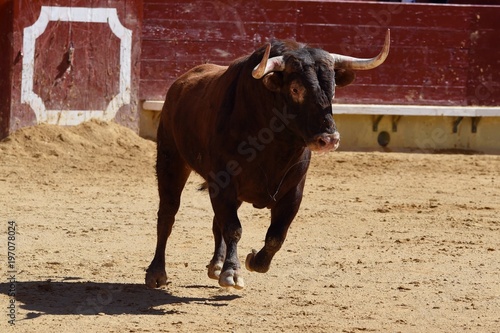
(297, 91)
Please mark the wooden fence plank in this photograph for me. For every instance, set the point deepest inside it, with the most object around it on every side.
(440, 54)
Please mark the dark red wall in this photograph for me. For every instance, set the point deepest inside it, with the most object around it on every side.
(6, 19)
(93, 79)
(440, 54)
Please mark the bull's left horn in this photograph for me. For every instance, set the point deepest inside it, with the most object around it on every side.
(346, 62)
(266, 66)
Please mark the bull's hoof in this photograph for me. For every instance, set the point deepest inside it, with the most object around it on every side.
(249, 260)
(156, 279)
(231, 278)
(214, 270)
(253, 266)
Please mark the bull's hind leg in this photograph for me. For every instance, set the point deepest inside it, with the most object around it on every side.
(172, 172)
(215, 265)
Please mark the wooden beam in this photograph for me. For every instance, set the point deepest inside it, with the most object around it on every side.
(397, 110)
(417, 110)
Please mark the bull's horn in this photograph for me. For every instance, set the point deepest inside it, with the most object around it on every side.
(346, 62)
(267, 65)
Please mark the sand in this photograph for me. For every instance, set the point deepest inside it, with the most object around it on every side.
(383, 242)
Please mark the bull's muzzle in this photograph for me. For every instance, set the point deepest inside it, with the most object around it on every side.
(325, 142)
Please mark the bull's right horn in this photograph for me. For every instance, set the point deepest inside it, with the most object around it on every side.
(266, 66)
(346, 62)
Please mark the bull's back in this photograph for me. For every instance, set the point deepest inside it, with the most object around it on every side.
(190, 110)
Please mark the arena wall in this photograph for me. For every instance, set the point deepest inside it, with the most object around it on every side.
(423, 134)
(74, 66)
(440, 54)
(70, 61)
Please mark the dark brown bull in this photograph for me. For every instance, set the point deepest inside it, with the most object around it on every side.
(248, 129)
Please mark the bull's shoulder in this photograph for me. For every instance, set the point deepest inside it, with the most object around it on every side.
(203, 71)
(194, 82)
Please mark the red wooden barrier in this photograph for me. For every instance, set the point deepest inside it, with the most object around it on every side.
(6, 24)
(67, 61)
(440, 54)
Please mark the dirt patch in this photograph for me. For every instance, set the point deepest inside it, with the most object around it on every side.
(382, 243)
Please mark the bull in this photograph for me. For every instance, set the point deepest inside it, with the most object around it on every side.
(248, 129)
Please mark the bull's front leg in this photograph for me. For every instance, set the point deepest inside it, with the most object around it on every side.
(282, 215)
(229, 226)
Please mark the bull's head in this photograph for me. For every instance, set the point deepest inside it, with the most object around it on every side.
(306, 79)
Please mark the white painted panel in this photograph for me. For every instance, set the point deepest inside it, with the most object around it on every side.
(75, 14)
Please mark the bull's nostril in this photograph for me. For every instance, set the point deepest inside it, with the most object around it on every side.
(324, 141)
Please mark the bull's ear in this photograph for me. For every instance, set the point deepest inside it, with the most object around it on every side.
(272, 82)
(344, 77)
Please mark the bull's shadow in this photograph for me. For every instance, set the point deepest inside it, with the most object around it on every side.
(90, 298)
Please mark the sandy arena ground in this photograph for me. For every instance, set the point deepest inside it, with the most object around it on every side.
(384, 242)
